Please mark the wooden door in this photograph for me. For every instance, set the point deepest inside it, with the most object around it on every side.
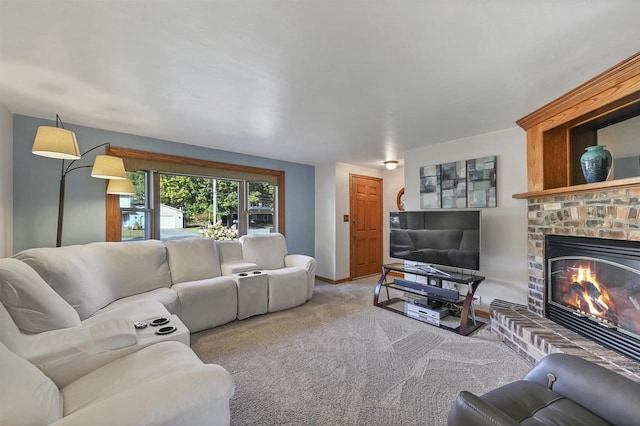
(366, 225)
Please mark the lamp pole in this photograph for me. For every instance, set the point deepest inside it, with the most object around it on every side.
(63, 184)
(60, 209)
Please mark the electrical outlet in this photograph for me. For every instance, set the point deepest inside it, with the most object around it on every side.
(476, 300)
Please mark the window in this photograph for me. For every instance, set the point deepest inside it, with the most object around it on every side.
(190, 205)
(134, 210)
(261, 204)
(177, 197)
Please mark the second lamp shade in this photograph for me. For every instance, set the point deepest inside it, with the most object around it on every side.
(108, 167)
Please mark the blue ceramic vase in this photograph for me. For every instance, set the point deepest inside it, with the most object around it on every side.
(596, 163)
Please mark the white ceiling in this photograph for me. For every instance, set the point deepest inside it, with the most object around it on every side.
(308, 81)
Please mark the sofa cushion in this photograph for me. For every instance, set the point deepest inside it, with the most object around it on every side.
(231, 258)
(140, 310)
(192, 259)
(167, 296)
(27, 396)
(91, 276)
(32, 304)
(265, 250)
(287, 288)
(207, 303)
(230, 251)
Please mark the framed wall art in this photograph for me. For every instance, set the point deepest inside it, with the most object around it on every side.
(430, 187)
(481, 182)
(454, 184)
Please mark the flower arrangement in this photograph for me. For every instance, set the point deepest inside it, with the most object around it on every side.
(218, 231)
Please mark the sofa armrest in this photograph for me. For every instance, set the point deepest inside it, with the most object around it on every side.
(236, 266)
(194, 396)
(469, 409)
(307, 263)
(585, 383)
(299, 260)
(66, 353)
(88, 339)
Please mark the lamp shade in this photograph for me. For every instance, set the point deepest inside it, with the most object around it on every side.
(121, 187)
(108, 167)
(56, 142)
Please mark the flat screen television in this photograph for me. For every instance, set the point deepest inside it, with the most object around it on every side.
(447, 238)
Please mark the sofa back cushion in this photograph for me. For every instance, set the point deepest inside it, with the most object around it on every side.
(193, 259)
(32, 304)
(91, 276)
(230, 251)
(27, 396)
(265, 250)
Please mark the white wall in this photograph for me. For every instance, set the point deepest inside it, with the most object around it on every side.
(343, 237)
(6, 182)
(325, 224)
(331, 232)
(503, 257)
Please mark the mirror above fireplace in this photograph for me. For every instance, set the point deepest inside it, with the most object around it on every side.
(623, 141)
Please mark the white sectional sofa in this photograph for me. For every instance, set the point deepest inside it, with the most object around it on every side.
(70, 311)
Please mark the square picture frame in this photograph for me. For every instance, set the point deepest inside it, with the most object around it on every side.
(481, 182)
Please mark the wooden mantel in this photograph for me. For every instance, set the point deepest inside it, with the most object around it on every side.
(558, 132)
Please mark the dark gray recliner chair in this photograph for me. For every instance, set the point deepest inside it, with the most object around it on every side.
(581, 393)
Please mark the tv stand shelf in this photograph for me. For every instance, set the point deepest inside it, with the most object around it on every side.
(463, 302)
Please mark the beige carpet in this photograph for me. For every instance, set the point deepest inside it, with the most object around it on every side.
(338, 360)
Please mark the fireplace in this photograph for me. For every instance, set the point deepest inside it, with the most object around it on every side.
(593, 288)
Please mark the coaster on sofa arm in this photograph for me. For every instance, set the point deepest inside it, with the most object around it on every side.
(166, 330)
(159, 321)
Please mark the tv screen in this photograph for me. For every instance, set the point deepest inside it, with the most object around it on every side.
(444, 237)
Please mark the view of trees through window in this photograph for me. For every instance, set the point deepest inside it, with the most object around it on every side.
(202, 200)
(192, 206)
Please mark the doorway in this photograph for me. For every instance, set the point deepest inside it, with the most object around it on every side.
(365, 199)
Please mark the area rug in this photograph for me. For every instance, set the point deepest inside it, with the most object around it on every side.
(339, 360)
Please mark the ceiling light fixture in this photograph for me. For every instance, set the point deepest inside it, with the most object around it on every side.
(390, 164)
(57, 142)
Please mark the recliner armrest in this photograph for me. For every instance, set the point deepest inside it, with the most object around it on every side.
(56, 345)
(303, 261)
(585, 383)
(469, 409)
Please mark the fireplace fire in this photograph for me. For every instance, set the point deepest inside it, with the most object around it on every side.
(593, 288)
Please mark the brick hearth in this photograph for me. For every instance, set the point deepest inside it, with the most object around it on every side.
(533, 337)
(610, 214)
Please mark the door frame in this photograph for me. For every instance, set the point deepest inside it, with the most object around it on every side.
(352, 221)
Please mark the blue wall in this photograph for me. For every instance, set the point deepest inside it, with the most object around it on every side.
(36, 183)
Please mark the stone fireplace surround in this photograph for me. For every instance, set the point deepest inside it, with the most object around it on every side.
(561, 203)
(611, 214)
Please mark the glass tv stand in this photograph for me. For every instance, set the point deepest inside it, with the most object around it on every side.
(412, 302)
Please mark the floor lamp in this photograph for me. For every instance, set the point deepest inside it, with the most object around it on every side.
(57, 142)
